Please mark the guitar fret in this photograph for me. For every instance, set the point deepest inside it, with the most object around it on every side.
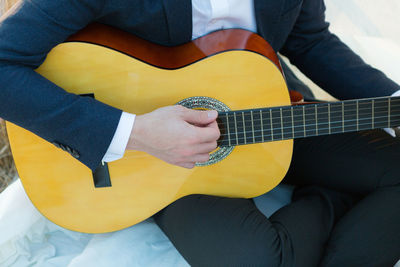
(272, 128)
(373, 115)
(262, 127)
(337, 117)
(236, 131)
(252, 125)
(329, 118)
(227, 126)
(357, 115)
(316, 119)
(381, 108)
(343, 117)
(304, 121)
(281, 123)
(365, 115)
(244, 129)
(388, 112)
(292, 122)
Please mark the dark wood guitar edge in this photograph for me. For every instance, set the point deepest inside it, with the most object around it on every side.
(177, 56)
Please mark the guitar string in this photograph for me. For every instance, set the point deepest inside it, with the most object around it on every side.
(289, 135)
(313, 125)
(283, 137)
(346, 103)
(324, 123)
(300, 108)
(286, 136)
(340, 116)
(230, 114)
(347, 112)
(319, 120)
(316, 122)
(323, 105)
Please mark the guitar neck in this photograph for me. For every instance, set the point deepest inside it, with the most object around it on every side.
(289, 122)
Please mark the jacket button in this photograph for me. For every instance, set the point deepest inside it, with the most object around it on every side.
(71, 151)
(56, 144)
(75, 154)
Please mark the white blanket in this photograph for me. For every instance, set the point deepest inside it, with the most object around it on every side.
(29, 239)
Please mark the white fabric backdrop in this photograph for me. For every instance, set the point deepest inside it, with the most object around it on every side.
(370, 29)
(2, 6)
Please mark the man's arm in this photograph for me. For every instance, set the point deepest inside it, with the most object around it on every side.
(27, 34)
(84, 125)
(332, 65)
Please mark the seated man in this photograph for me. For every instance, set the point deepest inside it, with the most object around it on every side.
(344, 212)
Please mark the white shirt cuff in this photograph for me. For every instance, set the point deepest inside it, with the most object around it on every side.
(390, 130)
(397, 93)
(120, 140)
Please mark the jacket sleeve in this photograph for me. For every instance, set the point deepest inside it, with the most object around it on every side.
(327, 61)
(27, 33)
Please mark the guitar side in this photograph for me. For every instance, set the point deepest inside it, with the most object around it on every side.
(62, 188)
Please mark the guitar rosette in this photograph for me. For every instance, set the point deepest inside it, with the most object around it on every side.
(204, 102)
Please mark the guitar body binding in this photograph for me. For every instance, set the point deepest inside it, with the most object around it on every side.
(231, 69)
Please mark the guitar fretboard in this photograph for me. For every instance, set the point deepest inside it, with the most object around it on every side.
(289, 122)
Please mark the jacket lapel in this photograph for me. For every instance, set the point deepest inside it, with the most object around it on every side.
(179, 20)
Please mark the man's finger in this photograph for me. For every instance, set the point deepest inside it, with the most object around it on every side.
(199, 117)
(206, 147)
(198, 158)
(187, 165)
(201, 157)
(207, 134)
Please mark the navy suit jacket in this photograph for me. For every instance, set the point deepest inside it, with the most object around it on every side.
(295, 28)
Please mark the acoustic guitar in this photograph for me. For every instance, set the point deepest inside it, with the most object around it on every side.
(233, 71)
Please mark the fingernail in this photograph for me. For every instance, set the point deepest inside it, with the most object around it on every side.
(212, 113)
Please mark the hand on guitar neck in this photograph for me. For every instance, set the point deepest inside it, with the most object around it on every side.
(175, 134)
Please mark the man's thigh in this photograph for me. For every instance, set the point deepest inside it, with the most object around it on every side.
(356, 162)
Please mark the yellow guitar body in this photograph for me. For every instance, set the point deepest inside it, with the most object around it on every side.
(62, 188)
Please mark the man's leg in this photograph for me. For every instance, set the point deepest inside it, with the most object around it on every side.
(365, 163)
(216, 231)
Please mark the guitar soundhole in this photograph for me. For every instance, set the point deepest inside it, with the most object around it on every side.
(203, 102)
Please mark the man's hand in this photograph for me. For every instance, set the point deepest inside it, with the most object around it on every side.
(176, 134)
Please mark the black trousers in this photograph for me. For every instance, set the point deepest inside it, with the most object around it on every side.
(345, 211)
